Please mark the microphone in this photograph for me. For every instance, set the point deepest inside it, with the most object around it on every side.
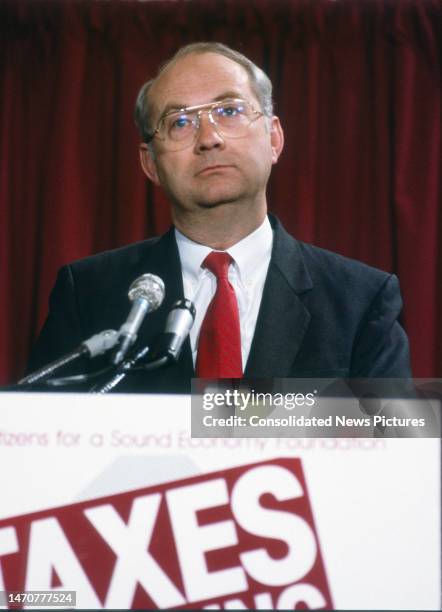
(93, 346)
(178, 325)
(147, 294)
(100, 343)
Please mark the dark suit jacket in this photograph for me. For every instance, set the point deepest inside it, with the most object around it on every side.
(321, 315)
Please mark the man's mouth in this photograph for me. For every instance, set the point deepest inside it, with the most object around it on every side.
(213, 169)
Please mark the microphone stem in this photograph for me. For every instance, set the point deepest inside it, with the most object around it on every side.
(153, 365)
(111, 384)
(44, 372)
(122, 371)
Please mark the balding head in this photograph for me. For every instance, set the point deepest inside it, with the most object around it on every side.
(260, 84)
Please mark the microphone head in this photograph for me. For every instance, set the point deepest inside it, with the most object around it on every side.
(178, 325)
(149, 287)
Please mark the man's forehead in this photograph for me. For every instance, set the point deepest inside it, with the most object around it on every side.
(198, 79)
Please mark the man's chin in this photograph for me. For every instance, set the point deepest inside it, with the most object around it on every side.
(218, 198)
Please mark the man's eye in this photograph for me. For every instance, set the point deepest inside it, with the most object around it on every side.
(180, 122)
(230, 111)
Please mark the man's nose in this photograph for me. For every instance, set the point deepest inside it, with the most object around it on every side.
(208, 136)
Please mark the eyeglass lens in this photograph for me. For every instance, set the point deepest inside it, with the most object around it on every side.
(231, 117)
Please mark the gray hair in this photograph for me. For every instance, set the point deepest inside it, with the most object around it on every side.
(259, 82)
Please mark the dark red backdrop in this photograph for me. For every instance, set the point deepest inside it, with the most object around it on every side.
(357, 90)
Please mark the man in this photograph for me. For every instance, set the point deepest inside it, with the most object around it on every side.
(267, 305)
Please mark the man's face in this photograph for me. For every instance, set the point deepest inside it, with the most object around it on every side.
(213, 170)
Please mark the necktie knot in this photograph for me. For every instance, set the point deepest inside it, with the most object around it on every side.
(218, 262)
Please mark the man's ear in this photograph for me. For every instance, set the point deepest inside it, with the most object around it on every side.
(276, 138)
(148, 163)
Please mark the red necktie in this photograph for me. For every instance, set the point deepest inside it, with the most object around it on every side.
(219, 345)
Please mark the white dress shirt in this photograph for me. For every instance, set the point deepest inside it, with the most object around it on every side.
(247, 275)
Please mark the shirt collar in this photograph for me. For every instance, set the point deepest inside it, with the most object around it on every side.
(246, 253)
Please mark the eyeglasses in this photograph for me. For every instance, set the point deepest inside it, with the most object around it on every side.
(231, 119)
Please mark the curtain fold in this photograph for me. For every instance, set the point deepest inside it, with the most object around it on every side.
(357, 88)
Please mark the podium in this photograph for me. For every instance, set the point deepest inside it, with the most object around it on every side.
(110, 497)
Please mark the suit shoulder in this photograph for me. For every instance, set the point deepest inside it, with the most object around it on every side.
(130, 254)
(338, 268)
(349, 289)
(347, 282)
(307, 266)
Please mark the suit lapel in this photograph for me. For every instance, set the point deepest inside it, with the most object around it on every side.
(282, 319)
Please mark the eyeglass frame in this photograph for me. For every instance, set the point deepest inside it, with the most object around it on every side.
(200, 107)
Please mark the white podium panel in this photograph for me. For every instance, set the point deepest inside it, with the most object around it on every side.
(110, 496)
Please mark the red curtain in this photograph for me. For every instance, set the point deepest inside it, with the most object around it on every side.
(356, 87)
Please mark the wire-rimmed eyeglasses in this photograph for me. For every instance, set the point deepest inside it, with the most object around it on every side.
(230, 117)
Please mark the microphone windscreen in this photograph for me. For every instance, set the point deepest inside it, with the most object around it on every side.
(149, 287)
